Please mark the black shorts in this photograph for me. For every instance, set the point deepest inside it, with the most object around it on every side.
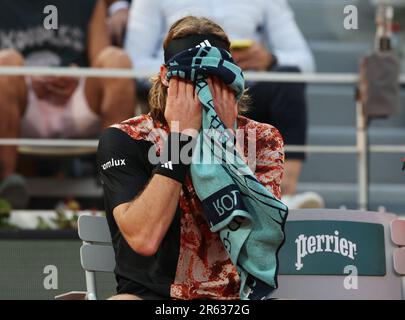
(126, 286)
(282, 105)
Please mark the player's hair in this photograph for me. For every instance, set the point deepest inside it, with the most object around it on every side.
(184, 27)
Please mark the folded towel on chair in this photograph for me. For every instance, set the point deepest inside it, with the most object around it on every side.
(248, 217)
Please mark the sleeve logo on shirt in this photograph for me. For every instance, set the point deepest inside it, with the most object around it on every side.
(168, 165)
(113, 163)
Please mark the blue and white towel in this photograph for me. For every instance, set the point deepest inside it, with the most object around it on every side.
(249, 219)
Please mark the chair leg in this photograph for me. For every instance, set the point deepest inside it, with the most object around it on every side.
(91, 285)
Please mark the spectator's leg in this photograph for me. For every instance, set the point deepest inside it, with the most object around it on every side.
(13, 100)
(112, 98)
(283, 105)
(292, 172)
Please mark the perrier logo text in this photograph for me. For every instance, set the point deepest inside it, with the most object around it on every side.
(323, 243)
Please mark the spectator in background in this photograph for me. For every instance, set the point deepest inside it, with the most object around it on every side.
(56, 107)
(118, 11)
(276, 44)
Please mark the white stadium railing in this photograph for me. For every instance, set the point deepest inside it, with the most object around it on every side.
(82, 143)
(361, 148)
(335, 78)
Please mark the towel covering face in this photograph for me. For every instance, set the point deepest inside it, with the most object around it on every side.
(249, 219)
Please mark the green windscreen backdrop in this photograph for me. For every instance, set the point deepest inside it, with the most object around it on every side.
(328, 247)
(23, 265)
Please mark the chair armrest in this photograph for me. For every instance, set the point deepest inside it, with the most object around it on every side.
(399, 261)
(72, 295)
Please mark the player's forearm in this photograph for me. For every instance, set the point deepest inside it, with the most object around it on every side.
(146, 220)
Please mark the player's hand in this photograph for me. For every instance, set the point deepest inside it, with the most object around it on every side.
(225, 102)
(183, 108)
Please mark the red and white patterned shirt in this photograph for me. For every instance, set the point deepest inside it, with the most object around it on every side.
(204, 269)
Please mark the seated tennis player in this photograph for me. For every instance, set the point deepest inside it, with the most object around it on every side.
(56, 107)
(183, 227)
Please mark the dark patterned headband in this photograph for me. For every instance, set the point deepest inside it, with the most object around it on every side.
(176, 46)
